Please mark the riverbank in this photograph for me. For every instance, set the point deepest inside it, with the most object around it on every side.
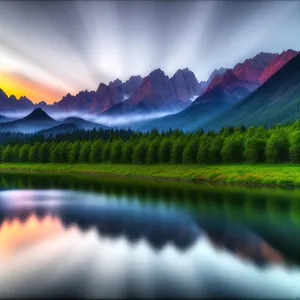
(265, 174)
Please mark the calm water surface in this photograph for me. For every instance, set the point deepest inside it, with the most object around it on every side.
(85, 236)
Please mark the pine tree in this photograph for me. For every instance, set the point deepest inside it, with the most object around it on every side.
(164, 151)
(126, 155)
(140, 153)
(73, 154)
(85, 148)
(7, 154)
(33, 155)
(116, 152)
(152, 154)
(177, 151)
(44, 153)
(189, 155)
(106, 152)
(96, 151)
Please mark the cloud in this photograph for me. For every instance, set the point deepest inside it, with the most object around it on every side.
(75, 45)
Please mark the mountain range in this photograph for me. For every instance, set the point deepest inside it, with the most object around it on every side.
(276, 101)
(156, 92)
(227, 88)
(190, 104)
(39, 121)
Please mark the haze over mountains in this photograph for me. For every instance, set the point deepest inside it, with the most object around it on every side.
(40, 121)
(189, 104)
(225, 90)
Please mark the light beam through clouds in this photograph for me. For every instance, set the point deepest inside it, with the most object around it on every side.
(57, 47)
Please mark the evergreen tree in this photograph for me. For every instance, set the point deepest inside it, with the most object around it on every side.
(177, 151)
(164, 151)
(232, 150)
(63, 151)
(295, 145)
(1, 151)
(254, 149)
(203, 152)
(73, 153)
(215, 150)
(152, 155)
(7, 154)
(126, 155)
(15, 153)
(116, 152)
(189, 155)
(277, 149)
(85, 147)
(44, 153)
(140, 153)
(96, 151)
(54, 152)
(106, 152)
(33, 155)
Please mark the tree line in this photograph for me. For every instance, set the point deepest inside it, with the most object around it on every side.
(281, 143)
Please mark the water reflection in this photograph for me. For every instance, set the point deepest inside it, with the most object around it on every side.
(116, 241)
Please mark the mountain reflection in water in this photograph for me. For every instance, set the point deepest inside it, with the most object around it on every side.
(60, 243)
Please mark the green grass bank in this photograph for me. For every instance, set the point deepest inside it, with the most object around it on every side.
(277, 174)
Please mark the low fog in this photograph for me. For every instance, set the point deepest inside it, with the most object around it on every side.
(110, 121)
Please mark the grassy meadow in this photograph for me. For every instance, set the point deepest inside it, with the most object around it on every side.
(268, 174)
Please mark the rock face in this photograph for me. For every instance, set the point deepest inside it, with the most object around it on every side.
(156, 87)
(96, 102)
(246, 77)
(252, 68)
(105, 97)
(277, 63)
(80, 102)
(185, 85)
(215, 73)
(12, 104)
(228, 81)
(158, 93)
(275, 101)
(131, 85)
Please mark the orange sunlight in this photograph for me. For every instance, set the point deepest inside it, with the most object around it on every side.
(20, 85)
(15, 234)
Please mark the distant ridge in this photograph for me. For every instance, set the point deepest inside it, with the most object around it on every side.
(35, 121)
(38, 115)
(276, 101)
(189, 103)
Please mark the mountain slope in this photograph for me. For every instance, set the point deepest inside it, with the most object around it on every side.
(12, 104)
(277, 63)
(252, 68)
(223, 95)
(186, 85)
(40, 121)
(4, 119)
(276, 101)
(58, 129)
(155, 94)
(37, 120)
(83, 124)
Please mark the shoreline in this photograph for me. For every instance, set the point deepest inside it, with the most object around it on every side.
(130, 171)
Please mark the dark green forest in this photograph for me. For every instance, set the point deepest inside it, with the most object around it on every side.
(278, 144)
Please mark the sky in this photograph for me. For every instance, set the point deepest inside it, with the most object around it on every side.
(50, 48)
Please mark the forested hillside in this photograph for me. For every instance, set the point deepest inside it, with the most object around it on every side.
(255, 144)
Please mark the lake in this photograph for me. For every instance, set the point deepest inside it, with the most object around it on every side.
(92, 237)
